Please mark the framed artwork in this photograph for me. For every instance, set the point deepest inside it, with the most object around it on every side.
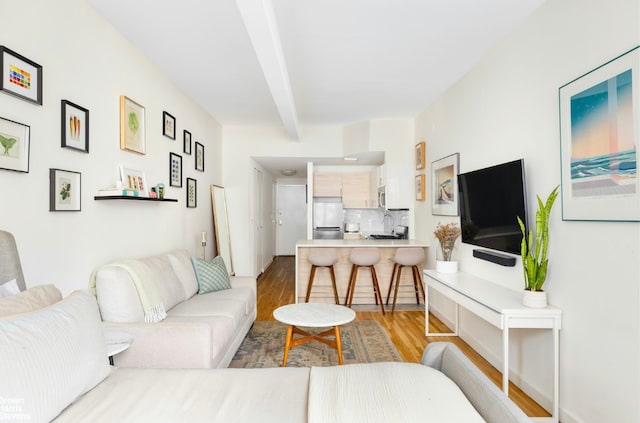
(199, 157)
(420, 155)
(599, 131)
(14, 145)
(175, 170)
(186, 136)
(192, 193)
(168, 125)
(420, 187)
(20, 76)
(444, 186)
(64, 190)
(132, 126)
(75, 126)
(134, 180)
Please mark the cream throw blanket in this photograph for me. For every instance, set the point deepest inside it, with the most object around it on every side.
(142, 278)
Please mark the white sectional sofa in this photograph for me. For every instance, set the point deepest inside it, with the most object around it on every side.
(200, 330)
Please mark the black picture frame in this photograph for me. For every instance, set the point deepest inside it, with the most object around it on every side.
(199, 157)
(75, 126)
(20, 77)
(168, 125)
(192, 193)
(15, 145)
(186, 143)
(175, 170)
(65, 190)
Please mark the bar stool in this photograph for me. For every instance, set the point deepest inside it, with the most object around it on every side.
(407, 257)
(322, 257)
(364, 257)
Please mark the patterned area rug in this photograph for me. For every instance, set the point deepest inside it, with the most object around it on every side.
(363, 341)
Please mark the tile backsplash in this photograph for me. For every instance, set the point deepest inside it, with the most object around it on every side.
(376, 221)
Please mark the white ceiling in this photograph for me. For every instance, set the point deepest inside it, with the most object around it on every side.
(306, 62)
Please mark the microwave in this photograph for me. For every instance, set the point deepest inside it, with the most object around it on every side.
(382, 197)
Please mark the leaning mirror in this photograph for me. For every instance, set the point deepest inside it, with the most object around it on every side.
(221, 225)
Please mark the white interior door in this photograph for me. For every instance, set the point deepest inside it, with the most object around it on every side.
(292, 218)
(257, 219)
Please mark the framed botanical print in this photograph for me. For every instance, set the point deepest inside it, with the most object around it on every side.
(199, 157)
(168, 125)
(132, 126)
(420, 180)
(64, 190)
(75, 127)
(420, 155)
(14, 145)
(186, 142)
(175, 170)
(192, 193)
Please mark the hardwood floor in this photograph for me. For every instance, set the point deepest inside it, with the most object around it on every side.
(405, 327)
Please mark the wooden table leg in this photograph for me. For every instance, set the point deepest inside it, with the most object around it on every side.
(338, 343)
(287, 345)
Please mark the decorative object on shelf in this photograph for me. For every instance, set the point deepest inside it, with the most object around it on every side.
(168, 125)
(186, 143)
(64, 190)
(175, 170)
(132, 126)
(192, 193)
(420, 155)
(447, 236)
(534, 253)
(203, 243)
(14, 145)
(117, 192)
(420, 181)
(444, 183)
(20, 76)
(599, 115)
(134, 180)
(160, 191)
(75, 126)
(199, 157)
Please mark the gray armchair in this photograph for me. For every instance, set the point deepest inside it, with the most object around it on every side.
(10, 267)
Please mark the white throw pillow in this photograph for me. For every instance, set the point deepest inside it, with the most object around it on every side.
(9, 288)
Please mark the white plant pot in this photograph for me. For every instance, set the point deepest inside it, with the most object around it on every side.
(534, 299)
(446, 266)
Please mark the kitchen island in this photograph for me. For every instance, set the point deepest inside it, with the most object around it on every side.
(322, 291)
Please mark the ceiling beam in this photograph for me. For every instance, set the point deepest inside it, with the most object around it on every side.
(260, 21)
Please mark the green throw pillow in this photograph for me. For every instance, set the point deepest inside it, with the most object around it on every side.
(211, 275)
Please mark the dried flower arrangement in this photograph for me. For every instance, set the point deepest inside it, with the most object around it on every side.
(447, 235)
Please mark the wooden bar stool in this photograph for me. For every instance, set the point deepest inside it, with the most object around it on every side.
(322, 257)
(407, 257)
(364, 257)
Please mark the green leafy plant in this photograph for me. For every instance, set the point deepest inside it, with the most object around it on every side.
(533, 249)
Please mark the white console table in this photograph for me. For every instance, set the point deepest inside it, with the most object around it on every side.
(502, 307)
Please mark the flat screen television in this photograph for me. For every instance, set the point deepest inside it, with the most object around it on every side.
(491, 199)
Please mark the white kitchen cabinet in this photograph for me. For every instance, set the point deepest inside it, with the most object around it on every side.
(327, 185)
(356, 188)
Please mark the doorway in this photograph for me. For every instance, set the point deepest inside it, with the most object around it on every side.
(291, 218)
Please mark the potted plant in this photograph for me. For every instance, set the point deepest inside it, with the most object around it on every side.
(533, 250)
(446, 235)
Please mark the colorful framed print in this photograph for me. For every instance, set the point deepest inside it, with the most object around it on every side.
(444, 186)
(420, 155)
(186, 142)
(192, 193)
(64, 190)
(134, 180)
(199, 157)
(132, 126)
(168, 125)
(75, 127)
(420, 180)
(14, 145)
(599, 132)
(175, 170)
(20, 76)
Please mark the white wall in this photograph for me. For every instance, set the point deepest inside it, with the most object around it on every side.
(507, 108)
(86, 61)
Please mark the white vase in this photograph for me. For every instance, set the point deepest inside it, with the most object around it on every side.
(446, 266)
(534, 299)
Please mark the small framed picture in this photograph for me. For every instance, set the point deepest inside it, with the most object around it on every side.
(199, 157)
(20, 76)
(14, 146)
(64, 190)
(420, 155)
(75, 126)
(444, 186)
(132, 126)
(168, 125)
(186, 142)
(134, 180)
(192, 193)
(420, 180)
(175, 170)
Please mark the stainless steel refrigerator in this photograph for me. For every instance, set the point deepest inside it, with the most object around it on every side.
(327, 218)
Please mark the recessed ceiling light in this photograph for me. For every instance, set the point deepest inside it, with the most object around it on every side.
(288, 172)
(351, 159)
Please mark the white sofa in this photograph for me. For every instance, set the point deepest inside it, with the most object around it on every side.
(53, 367)
(200, 330)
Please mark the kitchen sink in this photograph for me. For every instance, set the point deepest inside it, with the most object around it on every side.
(384, 236)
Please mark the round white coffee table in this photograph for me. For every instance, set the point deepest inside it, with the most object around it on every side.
(313, 315)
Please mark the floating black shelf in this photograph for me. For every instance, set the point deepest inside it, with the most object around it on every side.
(128, 197)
